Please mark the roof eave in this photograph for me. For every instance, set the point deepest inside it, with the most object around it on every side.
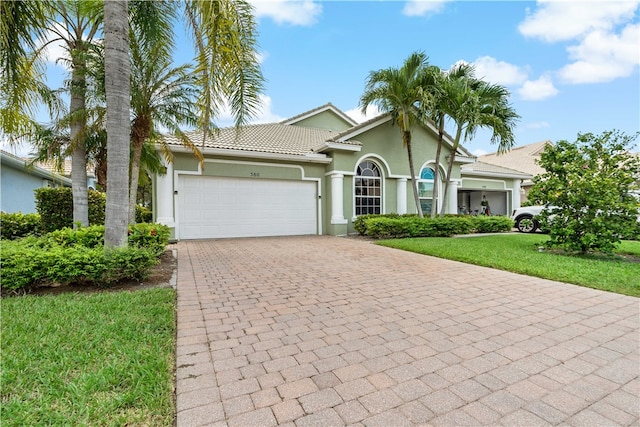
(35, 170)
(305, 158)
(331, 146)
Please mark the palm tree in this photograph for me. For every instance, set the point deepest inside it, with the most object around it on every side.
(402, 92)
(161, 96)
(117, 90)
(472, 104)
(440, 103)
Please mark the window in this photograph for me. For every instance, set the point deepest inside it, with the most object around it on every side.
(425, 189)
(368, 189)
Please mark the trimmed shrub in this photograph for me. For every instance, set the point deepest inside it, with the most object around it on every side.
(491, 224)
(17, 225)
(27, 266)
(390, 226)
(69, 256)
(55, 206)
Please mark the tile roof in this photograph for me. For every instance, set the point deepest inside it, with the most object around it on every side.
(523, 158)
(483, 168)
(312, 112)
(265, 138)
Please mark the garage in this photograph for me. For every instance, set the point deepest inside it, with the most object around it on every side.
(221, 207)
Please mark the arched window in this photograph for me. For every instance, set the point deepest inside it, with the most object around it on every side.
(425, 188)
(368, 189)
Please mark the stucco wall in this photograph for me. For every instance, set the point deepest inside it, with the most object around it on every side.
(17, 190)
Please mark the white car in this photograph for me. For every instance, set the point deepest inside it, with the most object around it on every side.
(525, 218)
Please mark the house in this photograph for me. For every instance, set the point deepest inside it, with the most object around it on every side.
(312, 174)
(65, 170)
(524, 159)
(18, 181)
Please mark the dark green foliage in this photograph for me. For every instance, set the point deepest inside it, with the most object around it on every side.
(55, 206)
(491, 224)
(589, 184)
(410, 225)
(77, 256)
(17, 225)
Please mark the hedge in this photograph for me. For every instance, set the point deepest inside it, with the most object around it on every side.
(55, 206)
(397, 226)
(69, 256)
(17, 225)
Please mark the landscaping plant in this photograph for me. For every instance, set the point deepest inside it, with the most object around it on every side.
(589, 185)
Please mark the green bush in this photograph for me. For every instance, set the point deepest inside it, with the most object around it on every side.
(491, 224)
(397, 226)
(27, 266)
(69, 256)
(55, 206)
(17, 225)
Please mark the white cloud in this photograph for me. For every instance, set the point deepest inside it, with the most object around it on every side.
(479, 152)
(537, 90)
(302, 13)
(499, 72)
(264, 115)
(356, 113)
(602, 57)
(566, 20)
(423, 7)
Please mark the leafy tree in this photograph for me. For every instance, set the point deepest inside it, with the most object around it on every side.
(403, 93)
(588, 183)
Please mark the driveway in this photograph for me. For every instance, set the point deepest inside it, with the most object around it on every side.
(329, 331)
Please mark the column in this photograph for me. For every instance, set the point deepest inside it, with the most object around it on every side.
(401, 196)
(452, 207)
(515, 195)
(164, 193)
(337, 210)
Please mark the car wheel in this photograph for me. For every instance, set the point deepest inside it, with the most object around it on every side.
(526, 224)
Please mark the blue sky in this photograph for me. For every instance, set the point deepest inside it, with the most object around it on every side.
(570, 66)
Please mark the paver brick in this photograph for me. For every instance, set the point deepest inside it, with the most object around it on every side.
(269, 327)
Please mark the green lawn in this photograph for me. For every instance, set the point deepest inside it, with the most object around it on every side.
(88, 359)
(519, 253)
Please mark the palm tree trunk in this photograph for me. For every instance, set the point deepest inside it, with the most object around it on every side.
(117, 88)
(436, 174)
(138, 139)
(406, 136)
(452, 159)
(79, 152)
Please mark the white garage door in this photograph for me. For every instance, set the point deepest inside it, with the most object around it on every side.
(213, 207)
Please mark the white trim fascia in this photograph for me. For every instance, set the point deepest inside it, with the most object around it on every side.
(305, 158)
(241, 162)
(337, 146)
(504, 184)
(464, 159)
(495, 175)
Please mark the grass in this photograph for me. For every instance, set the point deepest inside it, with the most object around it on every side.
(103, 359)
(519, 253)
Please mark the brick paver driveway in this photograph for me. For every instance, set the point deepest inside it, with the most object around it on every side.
(328, 331)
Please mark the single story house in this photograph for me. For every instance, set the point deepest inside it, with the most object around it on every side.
(19, 179)
(313, 174)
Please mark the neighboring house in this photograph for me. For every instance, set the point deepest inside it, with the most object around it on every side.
(66, 171)
(312, 174)
(524, 159)
(18, 181)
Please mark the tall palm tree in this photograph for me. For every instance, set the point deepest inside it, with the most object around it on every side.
(437, 112)
(161, 97)
(117, 90)
(402, 92)
(473, 104)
